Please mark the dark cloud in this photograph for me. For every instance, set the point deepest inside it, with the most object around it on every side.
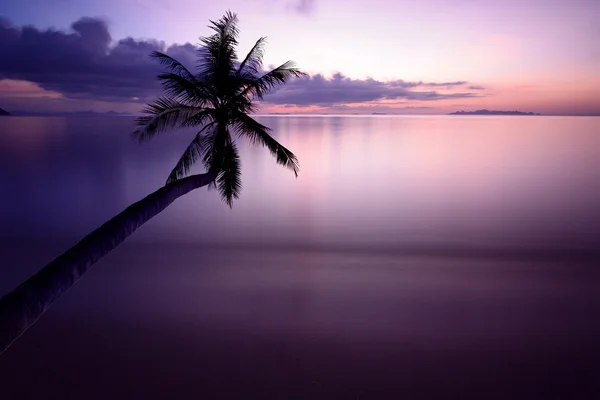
(318, 90)
(443, 84)
(303, 6)
(378, 108)
(447, 85)
(84, 62)
(476, 87)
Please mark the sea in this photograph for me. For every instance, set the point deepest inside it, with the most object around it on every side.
(414, 257)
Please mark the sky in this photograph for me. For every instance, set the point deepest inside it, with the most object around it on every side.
(361, 56)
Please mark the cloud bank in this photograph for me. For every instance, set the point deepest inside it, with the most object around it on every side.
(86, 64)
(339, 89)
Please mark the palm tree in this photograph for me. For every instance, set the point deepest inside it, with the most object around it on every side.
(218, 99)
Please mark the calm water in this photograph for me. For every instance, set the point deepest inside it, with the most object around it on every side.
(415, 257)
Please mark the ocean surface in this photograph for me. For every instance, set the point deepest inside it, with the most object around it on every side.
(415, 257)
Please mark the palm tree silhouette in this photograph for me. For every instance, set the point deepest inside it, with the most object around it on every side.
(219, 99)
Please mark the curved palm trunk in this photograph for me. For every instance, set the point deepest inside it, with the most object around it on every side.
(20, 308)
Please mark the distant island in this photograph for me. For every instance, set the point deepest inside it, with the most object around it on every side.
(492, 112)
(4, 112)
(88, 113)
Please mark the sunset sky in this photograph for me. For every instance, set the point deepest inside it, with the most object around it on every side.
(362, 56)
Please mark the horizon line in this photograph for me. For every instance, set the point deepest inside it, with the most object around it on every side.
(121, 114)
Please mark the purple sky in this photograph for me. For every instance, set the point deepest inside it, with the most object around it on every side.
(425, 56)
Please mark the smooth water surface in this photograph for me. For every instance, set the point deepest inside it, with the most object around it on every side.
(414, 256)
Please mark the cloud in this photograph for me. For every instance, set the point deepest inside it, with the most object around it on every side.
(150, 4)
(304, 6)
(86, 64)
(339, 89)
(443, 84)
(377, 108)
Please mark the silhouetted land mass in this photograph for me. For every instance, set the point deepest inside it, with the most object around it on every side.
(492, 112)
(69, 114)
(4, 112)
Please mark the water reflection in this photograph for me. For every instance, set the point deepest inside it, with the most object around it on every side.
(364, 181)
(420, 256)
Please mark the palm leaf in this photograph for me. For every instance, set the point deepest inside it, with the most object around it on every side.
(218, 54)
(172, 65)
(164, 113)
(185, 90)
(226, 27)
(199, 118)
(259, 133)
(261, 86)
(192, 153)
(253, 60)
(229, 180)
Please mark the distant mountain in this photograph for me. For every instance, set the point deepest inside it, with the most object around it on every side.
(492, 112)
(4, 112)
(88, 113)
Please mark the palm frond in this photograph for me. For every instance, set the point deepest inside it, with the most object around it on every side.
(229, 180)
(211, 148)
(190, 156)
(164, 113)
(253, 60)
(219, 52)
(186, 90)
(226, 27)
(259, 133)
(199, 118)
(172, 65)
(268, 81)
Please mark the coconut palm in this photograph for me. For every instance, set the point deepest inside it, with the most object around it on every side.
(218, 99)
